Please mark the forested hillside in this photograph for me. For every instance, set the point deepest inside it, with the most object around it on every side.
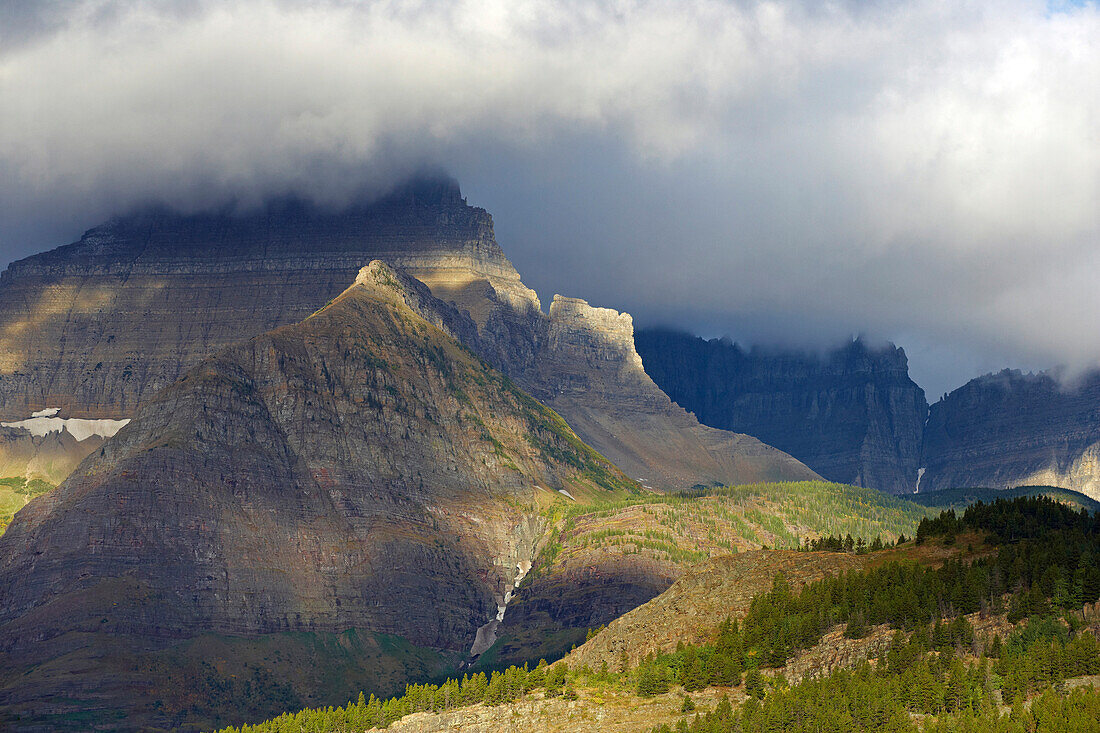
(1005, 641)
(604, 559)
(962, 498)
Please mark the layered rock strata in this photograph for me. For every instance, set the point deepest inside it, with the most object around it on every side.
(591, 373)
(100, 325)
(1012, 429)
(362, 470)
(853, 415)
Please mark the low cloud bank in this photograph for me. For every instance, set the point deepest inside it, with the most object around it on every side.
(780, 171)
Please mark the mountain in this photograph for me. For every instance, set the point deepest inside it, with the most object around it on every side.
(362, 472)
(1010, 429)
(92, 329)
(590, 372)
(853, 415)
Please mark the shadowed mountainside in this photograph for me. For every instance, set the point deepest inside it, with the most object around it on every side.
(1011, 429)
(362, 472)
(96, 327)
(853, 415)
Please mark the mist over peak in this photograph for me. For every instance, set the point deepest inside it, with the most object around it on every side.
(780, 171)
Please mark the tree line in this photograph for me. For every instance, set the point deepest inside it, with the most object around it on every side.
(1044, 566)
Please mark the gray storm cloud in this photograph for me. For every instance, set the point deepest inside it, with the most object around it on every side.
(783, 171)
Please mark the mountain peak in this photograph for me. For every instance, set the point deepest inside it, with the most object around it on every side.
(378, 272)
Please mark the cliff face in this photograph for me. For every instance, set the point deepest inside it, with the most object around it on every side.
(853, 416)
(362, 470)
(98, 326)
(1011, 429)
(93, 328)
(592, 375)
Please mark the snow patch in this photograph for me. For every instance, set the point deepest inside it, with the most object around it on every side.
(522, 568)
(42, 423)
(563, 491)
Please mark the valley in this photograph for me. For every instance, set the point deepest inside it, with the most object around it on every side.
(15, 493)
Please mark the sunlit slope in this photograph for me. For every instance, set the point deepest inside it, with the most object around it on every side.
(606, 559)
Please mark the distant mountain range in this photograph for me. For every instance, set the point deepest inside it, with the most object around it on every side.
(1011, 428)
(854, 415)
(89, 330)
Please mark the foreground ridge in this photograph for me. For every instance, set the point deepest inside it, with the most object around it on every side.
(925, 654)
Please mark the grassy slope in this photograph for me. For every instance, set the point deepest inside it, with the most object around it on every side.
(725, 586)
(686, 528)
(606, 558)
(15, 492)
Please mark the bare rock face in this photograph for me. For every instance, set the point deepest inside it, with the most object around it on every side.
(1013, 429)
(362, 470)
(96, 327)
(101, 324)
(592, 375)
(853, 416)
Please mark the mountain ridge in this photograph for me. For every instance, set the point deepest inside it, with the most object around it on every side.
(1009, 428)
(95, 327)
(853, 415)
(362, 471)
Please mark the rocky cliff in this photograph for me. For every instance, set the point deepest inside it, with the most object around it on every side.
(592, 375)
(98, 326)
(852, 415)
(1011, 429)
(361, 472)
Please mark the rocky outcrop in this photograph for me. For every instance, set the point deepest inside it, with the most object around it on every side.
(96, 327)
(853, 415)
(362, 470)
(592, 375)
(1011, 429)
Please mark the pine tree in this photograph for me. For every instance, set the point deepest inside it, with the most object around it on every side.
(754, 685)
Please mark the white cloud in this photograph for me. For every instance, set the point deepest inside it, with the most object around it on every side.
(912, 167)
